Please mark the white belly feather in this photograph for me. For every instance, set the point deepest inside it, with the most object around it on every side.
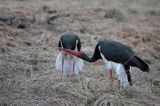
(119, 69)
(69, 62)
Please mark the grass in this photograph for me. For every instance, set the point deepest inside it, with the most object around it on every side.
(28, 51)
(114, 14)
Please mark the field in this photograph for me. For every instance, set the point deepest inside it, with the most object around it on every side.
(29, 34)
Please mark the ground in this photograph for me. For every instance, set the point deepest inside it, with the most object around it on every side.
(29, 34)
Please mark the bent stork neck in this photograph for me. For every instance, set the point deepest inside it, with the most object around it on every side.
(95, 56)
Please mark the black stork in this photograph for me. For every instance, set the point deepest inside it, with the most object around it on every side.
(115, 55)
(69, 64)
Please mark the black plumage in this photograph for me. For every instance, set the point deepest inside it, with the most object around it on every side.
(119, 53)
(68, 41)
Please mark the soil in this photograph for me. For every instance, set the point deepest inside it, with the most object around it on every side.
(29, 34)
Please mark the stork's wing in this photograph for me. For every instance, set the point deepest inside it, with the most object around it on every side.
(116, 52)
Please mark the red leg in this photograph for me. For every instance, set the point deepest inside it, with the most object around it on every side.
(110, 77)
(73, 67)
(110, 73)
(119, 83)
(62, 68)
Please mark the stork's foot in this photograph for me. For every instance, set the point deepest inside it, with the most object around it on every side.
(72, 75)
(111, 81)
(67, 75)
(80, 73)
(117, 82)
(61, 78)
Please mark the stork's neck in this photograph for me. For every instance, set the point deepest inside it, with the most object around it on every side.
(94, 58)
(89, 59)
(83, 56)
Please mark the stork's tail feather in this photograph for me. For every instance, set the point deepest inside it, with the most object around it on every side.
(141, 64)
(129, 77)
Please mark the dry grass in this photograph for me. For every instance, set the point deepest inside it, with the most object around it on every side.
(30, 30)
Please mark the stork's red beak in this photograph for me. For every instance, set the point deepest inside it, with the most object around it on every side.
(75, 53)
